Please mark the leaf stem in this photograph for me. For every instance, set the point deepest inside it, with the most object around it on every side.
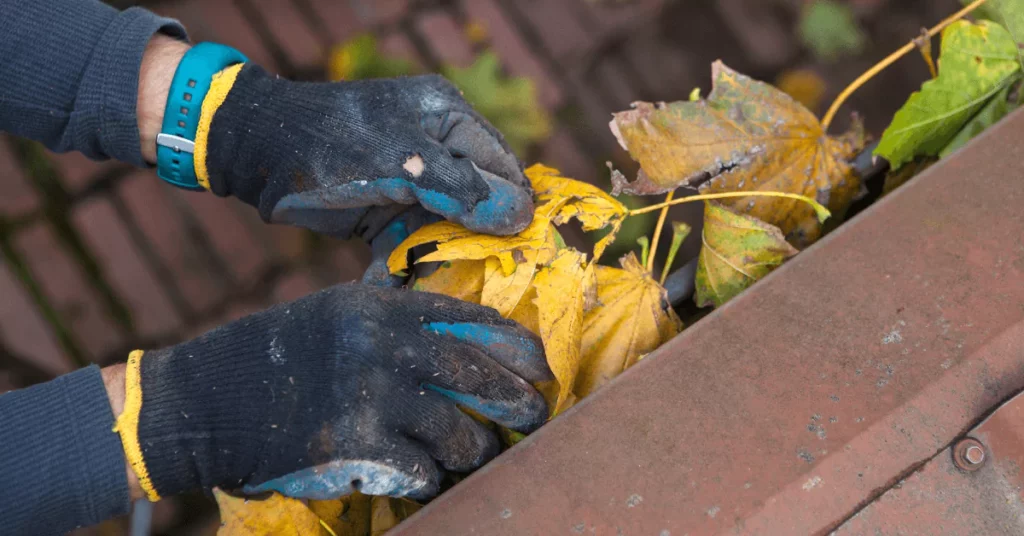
(924, 45)
(890, 59)
(657, 230)
(680, 231)
(819, 209)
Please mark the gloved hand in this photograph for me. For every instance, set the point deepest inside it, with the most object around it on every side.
(322, 155)
(352, 388)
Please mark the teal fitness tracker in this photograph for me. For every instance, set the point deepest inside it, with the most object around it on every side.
(176, 141)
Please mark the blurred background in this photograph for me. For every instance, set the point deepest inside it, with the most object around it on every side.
(97, 258)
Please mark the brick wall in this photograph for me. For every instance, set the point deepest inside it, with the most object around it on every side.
(100, 258)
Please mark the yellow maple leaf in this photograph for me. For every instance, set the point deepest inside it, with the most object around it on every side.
(346, 516)
(275, 514)
(736, 251)
(559, 303)
(504, 292)
(558, 200)
(631, 318)
(459, 279)
(388, 512)
(746, 136)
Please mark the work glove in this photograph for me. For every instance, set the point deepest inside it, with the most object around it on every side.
(345, 158)
(353, 388)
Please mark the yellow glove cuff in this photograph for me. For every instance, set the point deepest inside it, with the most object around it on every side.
(222, 83)
(127, 424)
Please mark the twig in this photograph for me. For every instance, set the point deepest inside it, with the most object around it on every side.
(889, 60)
(819, 209)
(657, 230)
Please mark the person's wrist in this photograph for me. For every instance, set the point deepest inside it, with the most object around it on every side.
(159, 63)
(113, 381)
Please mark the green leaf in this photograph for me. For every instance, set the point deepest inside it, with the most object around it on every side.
(995, 110)
(737, 251)
(509, 103)
(829, 29)
(977, 61)
(359, 58)
(1008, 13)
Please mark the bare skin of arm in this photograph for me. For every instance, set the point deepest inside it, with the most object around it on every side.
(158, 65)
(113, 381)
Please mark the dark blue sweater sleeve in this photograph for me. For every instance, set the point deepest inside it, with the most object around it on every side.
(69, 74)
(63, 467)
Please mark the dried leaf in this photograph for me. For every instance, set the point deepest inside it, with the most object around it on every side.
(587, 203)
(804, 85)
(504, 292)
(558, 200)
(632, 318)
(459, 279)
(746, 136)
(347, 516)
(560, 288)
(388, 512)
(898, 177)
(976, 63)
(737, 251)
(275, 514)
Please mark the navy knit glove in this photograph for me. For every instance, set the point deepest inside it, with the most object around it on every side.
(322, 155)
(352, 388)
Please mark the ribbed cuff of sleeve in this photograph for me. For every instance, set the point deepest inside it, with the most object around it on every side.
(105, 109)
(62, 465)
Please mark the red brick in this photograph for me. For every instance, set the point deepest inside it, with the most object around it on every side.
(77, 171)
(65, 287)
(663, 69)
(7, 382)
(339, 18)
(397, 45)
(609, 16)
(378, 12)
(559, 29)
(224, 22)
(291, 32)
(445, 38)
(616, 84)
(152, 206)
(16, 194)
(233, 239)
(767, 41)
(515, 54)
(290, 243)
(124, 268)
(349, 261)
(24, 330)
(240, 310)
(294, 286)
(190, 14)
(562, 152)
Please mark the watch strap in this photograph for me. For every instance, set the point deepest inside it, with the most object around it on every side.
(191, 83)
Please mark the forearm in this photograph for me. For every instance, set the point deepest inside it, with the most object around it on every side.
(71, 74)
(158, 66)
(62, 465)
(113, 382)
